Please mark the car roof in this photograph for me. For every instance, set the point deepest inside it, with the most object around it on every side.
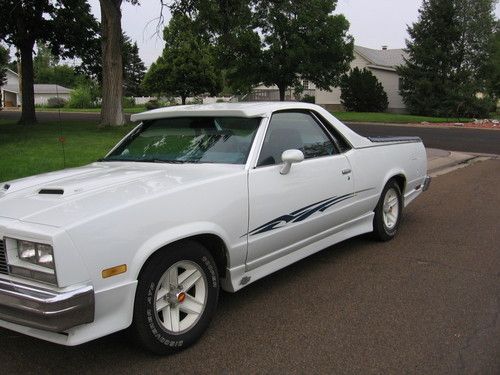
(247, 109)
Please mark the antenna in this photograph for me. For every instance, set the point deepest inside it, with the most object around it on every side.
(61, 137)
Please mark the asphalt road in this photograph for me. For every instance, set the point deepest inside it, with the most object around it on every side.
(452, 139)
(54, 116)
(455, 139)
(425, 303)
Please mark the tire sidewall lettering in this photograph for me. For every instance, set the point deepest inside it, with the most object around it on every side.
(147, 326)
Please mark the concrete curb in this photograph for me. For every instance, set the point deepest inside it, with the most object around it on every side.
(440, 162)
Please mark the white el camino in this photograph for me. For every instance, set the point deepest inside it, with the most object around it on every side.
(196, 198)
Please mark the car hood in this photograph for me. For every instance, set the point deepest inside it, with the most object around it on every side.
(66, 197)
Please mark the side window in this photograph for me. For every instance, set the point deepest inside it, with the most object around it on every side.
(338, 139)
(294, 130)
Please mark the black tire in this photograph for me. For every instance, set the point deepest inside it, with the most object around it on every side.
(380, 230)
(147, 327)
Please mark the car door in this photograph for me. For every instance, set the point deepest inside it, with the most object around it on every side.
(286, 211)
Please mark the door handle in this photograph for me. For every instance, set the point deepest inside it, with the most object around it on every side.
(346, 171)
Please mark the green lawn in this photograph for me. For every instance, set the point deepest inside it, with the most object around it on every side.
(391, 118)
(343, 116)
(29, 150)
(92, 110)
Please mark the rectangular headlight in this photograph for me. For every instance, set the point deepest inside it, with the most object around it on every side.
(36, 253)
(31, 260)
(26, 251)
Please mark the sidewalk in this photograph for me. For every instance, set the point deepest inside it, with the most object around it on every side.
(440, 161)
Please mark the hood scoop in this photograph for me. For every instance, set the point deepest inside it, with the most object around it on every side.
(51, 191)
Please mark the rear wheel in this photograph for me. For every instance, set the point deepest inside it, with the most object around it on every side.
(388, 212)
(176, 298)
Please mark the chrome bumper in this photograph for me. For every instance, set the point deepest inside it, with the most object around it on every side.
(427, 183)
(45, 309)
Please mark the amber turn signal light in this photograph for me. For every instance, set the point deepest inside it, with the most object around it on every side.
(113, 271)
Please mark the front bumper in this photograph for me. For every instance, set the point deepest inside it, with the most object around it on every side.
(427, 183)
(45, 309)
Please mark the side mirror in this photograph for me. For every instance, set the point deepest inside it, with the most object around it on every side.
(289, 157)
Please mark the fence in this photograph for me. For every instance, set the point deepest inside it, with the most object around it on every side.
(141, 100)
(272, 95)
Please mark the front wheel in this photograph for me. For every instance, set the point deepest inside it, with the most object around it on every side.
(176, 298)
(388, 212)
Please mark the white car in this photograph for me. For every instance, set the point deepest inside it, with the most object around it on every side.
(194, 199)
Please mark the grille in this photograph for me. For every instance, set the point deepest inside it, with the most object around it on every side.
(3, 259)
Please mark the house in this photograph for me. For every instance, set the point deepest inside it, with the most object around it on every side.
(12, 98)
(382, 63)
(10, 90)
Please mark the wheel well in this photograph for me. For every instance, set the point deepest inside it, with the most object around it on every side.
(214, 244)
(401, 181)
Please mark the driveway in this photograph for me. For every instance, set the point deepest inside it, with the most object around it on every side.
(427, 302)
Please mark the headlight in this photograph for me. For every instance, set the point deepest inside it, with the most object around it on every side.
(26, 251)
(31, 260)
(36, 253)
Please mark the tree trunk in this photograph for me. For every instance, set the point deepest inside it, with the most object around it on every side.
(282, 89)
(183, 98)
(112, 72)
(28, 115)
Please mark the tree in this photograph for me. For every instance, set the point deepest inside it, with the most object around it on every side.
(48, 70)
(275, 42)
(112, 62)
(65, 25)
(494, 65)
(133, 68)
(448, 53)
(44, 58)
(186, 66)
(361, 91)
(4, 63)
(303, 39)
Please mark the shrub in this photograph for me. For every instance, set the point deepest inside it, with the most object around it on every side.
(56, 102)
(308, 99)
(152, 104)
(83, 96)
(196, 100)
(128, 102)
(362, 92)
(477, 107)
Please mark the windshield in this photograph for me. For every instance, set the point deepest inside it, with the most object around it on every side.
(189, 140)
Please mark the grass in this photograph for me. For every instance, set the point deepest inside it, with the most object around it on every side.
(88, 110)
(343, 116)
(391, 118)
(29, 150)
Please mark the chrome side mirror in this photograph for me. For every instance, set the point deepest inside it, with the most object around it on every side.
(289, 157)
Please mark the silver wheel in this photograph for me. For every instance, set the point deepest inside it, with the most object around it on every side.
(181, 297)
(391, 208)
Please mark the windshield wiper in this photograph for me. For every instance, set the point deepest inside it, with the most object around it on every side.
(166, 161)
(106, 159)
(152, 160)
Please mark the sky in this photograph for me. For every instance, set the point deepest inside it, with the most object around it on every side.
(374, 23)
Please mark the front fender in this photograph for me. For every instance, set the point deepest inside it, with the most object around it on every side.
(172, 235)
